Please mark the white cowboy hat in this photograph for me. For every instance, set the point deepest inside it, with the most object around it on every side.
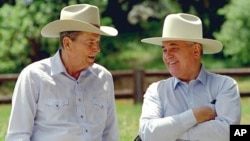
(79, 17)
(185, 27)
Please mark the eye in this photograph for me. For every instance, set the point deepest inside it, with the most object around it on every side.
(89, 43)
(164, 51)
(175, 49)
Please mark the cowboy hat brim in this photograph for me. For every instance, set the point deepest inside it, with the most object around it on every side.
(209, 46)
(54, 28)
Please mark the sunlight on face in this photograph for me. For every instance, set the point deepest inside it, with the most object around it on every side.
(85, 48)
(179, 57)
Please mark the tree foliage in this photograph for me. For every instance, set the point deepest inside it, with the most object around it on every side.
(21, 22)
(235, 33)
(21, 42)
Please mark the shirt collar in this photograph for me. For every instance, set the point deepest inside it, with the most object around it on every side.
(202, 77)
(56, 64)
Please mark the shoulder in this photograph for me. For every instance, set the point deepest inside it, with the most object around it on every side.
(37, 68)
(219, 81)
(220, 77)
(162, 83)
(100, 70)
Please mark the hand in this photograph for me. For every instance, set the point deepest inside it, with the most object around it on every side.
(204, 113)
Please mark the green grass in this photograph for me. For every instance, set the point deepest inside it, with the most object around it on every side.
(4, 112)
(128, 118)
(245, 110)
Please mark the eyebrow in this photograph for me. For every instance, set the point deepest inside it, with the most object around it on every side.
(171, 44)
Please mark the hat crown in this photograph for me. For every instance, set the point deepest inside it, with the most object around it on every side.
(82, 12)
(182, 25)
(79, 17)
(185, 27)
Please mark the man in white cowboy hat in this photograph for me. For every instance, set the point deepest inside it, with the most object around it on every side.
(67, 97)
(194, 104)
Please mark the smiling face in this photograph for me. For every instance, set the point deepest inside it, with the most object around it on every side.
(182, 59)
(80, 50)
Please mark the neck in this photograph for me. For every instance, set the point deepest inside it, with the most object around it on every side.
(72, 69)
(193, 74)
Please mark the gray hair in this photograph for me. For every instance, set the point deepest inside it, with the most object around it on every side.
(71, 34)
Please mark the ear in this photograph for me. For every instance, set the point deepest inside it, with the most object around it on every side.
(197, 50)
(66, 42)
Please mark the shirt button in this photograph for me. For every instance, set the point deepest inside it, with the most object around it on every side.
(86, 130)
(79, 99)
(81, 116)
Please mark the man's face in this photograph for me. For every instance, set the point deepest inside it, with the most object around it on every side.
(181, 57)
(84, 48)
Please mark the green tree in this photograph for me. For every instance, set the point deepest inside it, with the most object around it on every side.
(235, 32)
(21, 42)
(22, 20)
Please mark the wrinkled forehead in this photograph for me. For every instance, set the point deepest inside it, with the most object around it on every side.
(176, 42)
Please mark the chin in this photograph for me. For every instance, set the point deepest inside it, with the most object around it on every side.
(91, 64)
(173, 72)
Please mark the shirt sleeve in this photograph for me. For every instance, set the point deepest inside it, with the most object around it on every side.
(111, 132)
(23, 111)
(228, 109)
(153, 124)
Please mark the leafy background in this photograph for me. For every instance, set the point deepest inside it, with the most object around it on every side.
(225, 20)
(21, 43)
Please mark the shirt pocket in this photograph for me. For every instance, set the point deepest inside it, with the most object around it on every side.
(57, 104)
(99, 108)
(98, 103)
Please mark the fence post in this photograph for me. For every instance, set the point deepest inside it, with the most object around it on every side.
(138, 85)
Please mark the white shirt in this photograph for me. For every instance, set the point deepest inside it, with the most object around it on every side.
(50, 105)
(167, 109)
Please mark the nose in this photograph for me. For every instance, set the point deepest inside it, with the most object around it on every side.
(167, 53)
(96, 47)
(167, 56)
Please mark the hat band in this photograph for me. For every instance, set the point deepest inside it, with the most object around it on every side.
(98, 26)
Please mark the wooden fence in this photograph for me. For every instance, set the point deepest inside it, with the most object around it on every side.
(140, 80)
(132, 84)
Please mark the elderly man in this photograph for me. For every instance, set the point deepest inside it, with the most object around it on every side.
(194, 104)
(67, 97)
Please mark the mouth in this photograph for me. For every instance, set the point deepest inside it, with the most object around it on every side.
(172, 62)
(91, 57)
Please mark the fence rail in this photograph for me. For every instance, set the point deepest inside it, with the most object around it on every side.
(143, 78)
(131, 84)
